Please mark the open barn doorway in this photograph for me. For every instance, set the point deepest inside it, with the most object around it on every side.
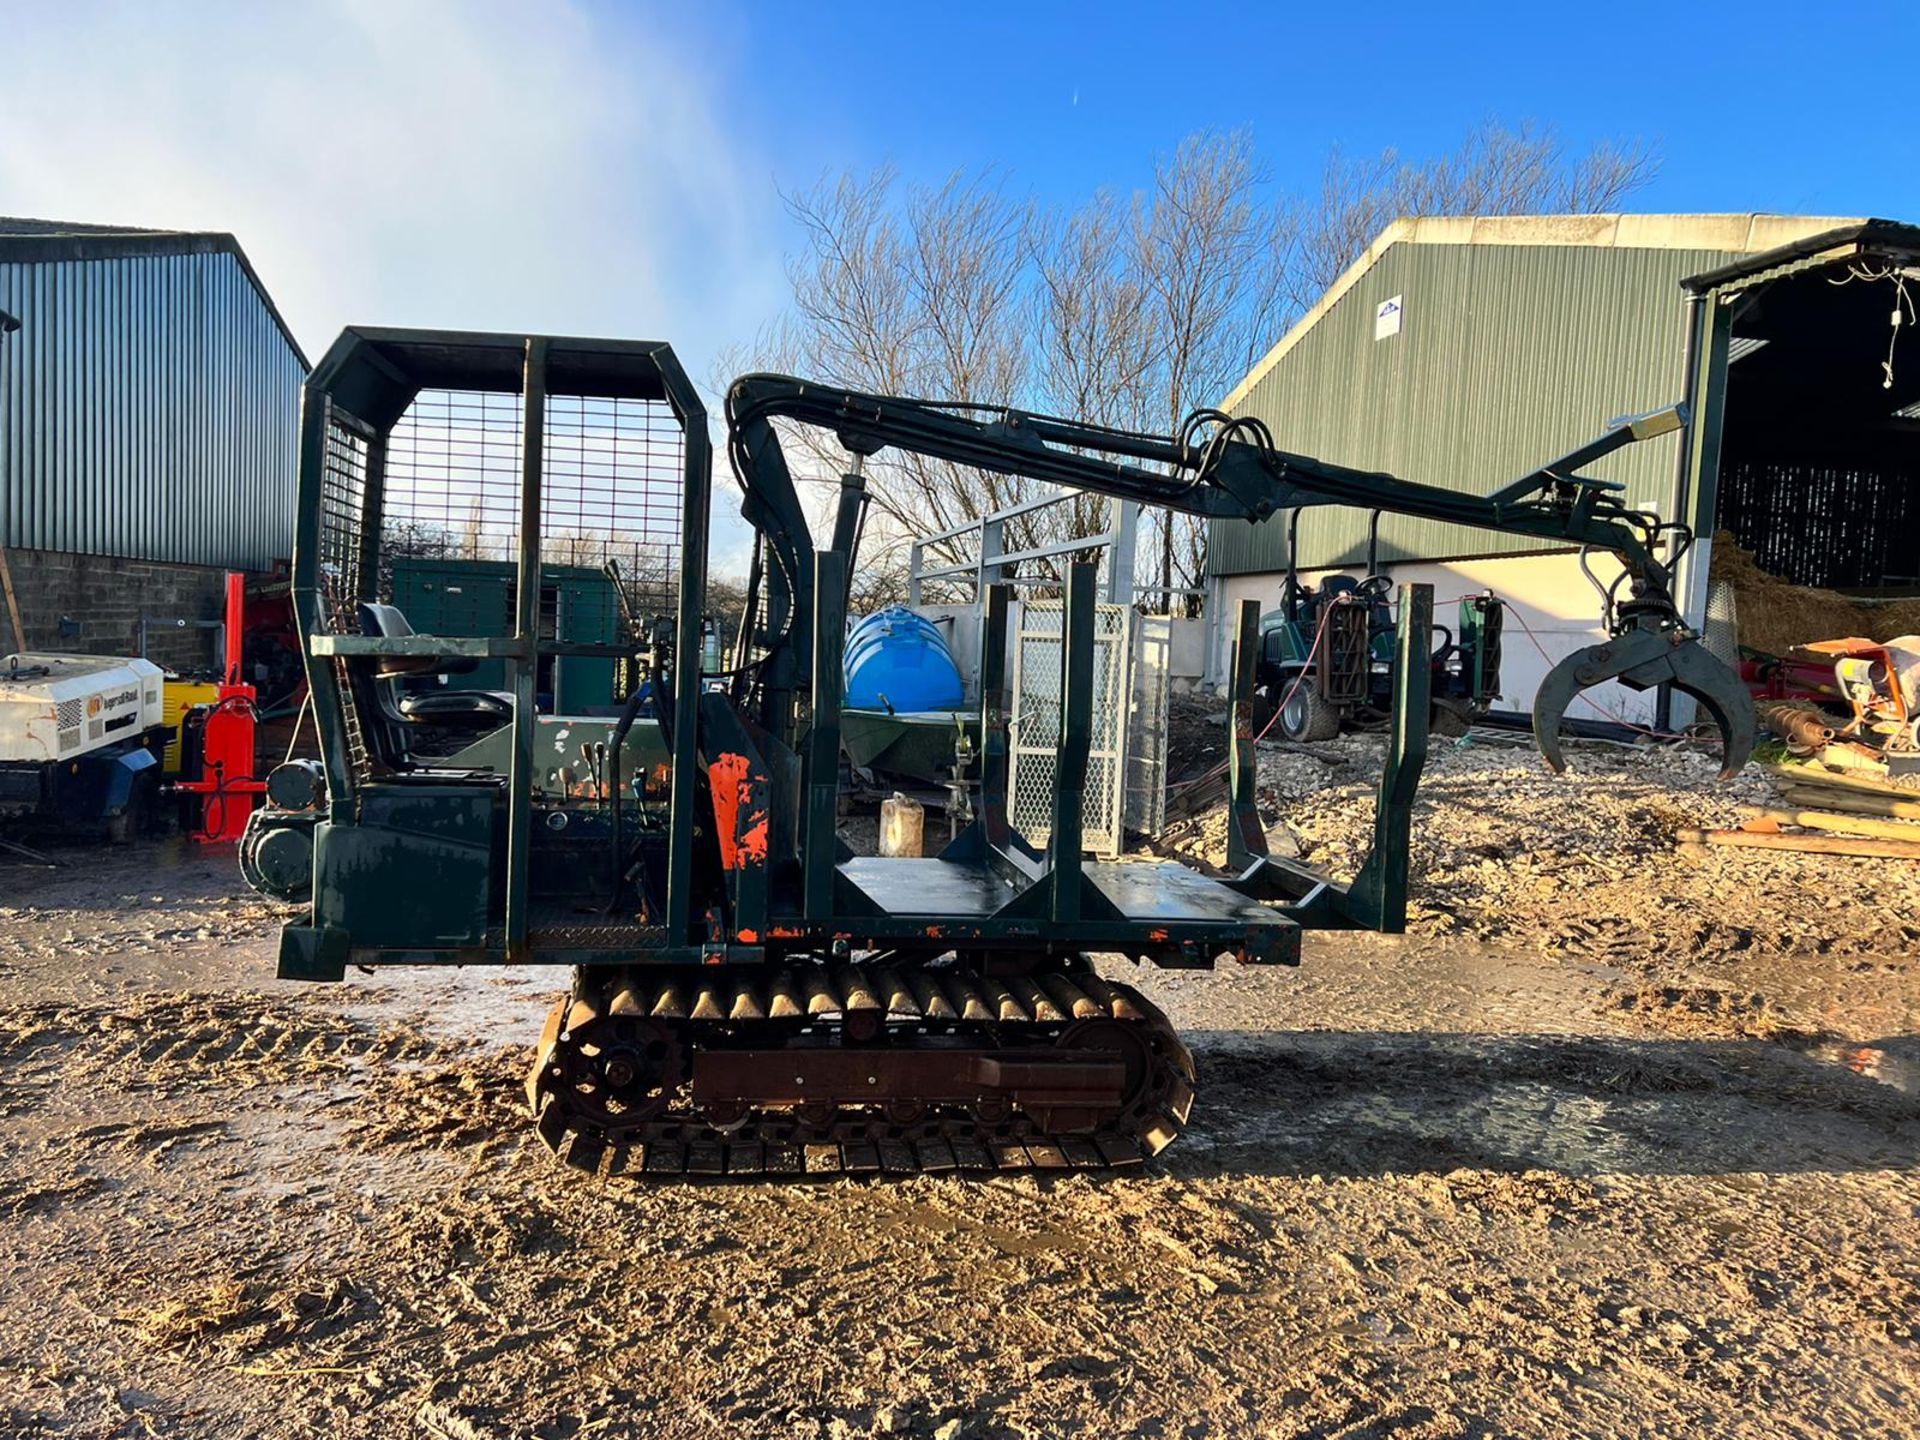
(1819, 474)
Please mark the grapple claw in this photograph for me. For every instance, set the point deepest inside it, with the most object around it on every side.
(1640, 659)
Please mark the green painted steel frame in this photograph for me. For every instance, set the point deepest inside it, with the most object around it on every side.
(380, 371)
(1376, 898)
(800, 897)
(1049, 900)
(1228, 478)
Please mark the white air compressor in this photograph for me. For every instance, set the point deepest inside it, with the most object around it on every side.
(79, 736)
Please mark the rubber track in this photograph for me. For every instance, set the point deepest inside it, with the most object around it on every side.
(1019, 1010)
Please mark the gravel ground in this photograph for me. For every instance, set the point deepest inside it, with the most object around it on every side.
(1584, 864)
(1615, 1143)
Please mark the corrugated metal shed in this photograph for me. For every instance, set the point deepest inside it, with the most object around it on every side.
(149, 403)
(1518, 339)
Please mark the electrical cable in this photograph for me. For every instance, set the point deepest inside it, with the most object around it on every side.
(1272, 719)
(1585, 696)
(293, 741)
(1903, 306)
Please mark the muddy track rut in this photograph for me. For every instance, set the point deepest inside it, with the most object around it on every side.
(1442, 1192)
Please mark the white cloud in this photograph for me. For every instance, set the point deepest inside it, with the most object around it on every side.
(434, 162)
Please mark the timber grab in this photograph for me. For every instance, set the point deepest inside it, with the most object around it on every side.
(748, 995)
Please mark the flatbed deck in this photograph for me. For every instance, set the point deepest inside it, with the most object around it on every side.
(1129, 906)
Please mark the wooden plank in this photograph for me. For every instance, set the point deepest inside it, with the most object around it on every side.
(1808, 844)
(1827, 820)
(1847, 803)
(1836, 780)
(13, 604)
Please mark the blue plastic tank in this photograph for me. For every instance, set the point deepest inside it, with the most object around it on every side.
(898, 661)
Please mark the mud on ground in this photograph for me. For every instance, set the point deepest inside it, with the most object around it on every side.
(1490, 1178)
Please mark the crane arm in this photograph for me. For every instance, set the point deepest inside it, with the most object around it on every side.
(1222, 466)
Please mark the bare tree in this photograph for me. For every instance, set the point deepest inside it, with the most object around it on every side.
(475, 541)
(1494, 171)
(1093, 344)
(726, 606)
(1204, 244)
(917, 294)
(876, 586)
(1128, 311)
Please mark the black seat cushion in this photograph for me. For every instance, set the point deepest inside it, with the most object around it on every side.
(390, 621)
(466, 709)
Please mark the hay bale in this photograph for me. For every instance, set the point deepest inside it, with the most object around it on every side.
(1776, 615)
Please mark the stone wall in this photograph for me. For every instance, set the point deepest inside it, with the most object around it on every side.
(92, 604)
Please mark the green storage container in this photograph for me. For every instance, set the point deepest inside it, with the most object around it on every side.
(578, 606)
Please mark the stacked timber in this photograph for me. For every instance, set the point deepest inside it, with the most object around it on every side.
(1824, 813)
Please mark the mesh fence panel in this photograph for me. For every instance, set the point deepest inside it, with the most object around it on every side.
(1147, 725)
(612, 491)
(1039, 654)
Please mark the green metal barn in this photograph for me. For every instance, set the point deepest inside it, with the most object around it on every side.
(1465, 351)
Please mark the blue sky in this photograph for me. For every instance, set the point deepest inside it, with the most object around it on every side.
(1745, 102)
(587, 167)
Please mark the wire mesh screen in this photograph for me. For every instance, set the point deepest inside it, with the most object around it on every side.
(343, 498)
(611, 488)
(343, 491)
(1039, 653)
(1148, 725)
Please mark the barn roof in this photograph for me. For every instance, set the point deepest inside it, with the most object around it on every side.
(26, 240)
(1754, 234)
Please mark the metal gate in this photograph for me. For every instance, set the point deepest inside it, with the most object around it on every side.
(1038, 650)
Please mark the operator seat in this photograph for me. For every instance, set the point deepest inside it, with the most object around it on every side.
(471, 711)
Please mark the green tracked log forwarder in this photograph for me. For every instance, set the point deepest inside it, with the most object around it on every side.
(748, 997)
